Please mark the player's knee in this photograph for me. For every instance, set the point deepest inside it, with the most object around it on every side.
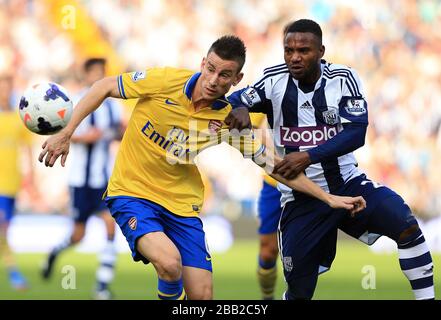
(77, 235)
(301, 288)
(204, 292)
(299, 292)
(269, 251)
(409, 234)
(269, 254)
(169, 268)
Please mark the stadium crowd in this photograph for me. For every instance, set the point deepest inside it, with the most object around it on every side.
(394, 48)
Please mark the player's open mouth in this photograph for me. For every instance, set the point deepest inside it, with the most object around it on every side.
(296, 69)
(211, 91)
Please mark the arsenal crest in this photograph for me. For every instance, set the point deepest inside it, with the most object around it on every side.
(132, 223)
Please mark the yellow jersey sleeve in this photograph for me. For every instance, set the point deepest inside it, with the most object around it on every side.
(270, 181)
(257, 119)
(247, 144)
(141, 84)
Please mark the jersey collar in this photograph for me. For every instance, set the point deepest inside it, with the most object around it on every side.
(220, 103)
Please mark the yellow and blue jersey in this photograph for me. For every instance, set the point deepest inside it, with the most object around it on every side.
(13, 134)
(155, 159)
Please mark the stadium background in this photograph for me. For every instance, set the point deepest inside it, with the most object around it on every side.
(393, 44)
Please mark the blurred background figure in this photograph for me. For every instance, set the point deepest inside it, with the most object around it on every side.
(88, 176)
(13, 137)
(269, 211)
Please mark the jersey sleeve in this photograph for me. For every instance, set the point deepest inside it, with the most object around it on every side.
(255, 97)
(140, 84)
(353, 106)
(247, 144)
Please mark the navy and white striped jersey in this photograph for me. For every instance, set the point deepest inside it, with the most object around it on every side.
(301, 121)
(90, 164)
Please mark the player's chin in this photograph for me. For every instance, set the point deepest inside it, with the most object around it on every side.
(212, 93)
(298, 74)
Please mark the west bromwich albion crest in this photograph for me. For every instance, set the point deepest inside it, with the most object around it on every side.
(330, 117)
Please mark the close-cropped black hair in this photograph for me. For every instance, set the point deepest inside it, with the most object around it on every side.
(304, 25)
(93, 61)
(230, 48)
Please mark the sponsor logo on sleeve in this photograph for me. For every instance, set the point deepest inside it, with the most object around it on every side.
(355, 107)
(138, 75)
(250, 97)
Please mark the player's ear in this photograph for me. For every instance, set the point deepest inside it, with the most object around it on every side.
(203, 62)
(239, 77)
(322, 51)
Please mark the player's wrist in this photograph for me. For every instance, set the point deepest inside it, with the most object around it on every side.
(68, 132)
(329, 200)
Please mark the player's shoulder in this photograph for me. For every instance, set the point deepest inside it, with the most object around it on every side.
(273, 74)
(276, 70)
(178, 72)
(332, 70)
(161, 71)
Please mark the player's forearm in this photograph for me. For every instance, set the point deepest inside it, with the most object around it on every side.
(303, 184)
(91, 101)
(300, 183)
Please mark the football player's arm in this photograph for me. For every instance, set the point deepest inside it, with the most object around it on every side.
(303, 184)
(244, 101)
(58, 144)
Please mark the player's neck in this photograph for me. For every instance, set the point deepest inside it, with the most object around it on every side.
(311, 79)
(201, 103)
(198, 101)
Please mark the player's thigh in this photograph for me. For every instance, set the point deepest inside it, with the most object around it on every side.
(108, 221)
(198, 283)
(158, 248)
(386, 214)
(135, 218)
(392, 217)
(307, 241)
(188, 235)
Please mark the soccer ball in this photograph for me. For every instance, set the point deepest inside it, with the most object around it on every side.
(45, 108)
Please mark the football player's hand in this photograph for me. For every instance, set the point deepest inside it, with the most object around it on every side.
(352, 204)
(292, 164)
(54, 147)
(239, 119)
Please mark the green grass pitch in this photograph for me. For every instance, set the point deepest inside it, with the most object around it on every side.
(234, 276)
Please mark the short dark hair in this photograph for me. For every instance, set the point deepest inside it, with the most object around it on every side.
(230, 48)
(304, 25)
(93, 61)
